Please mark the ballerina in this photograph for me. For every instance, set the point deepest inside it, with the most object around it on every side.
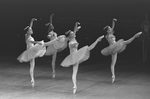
(145, 37)
(57, 46)
(115, 47)
(34, 49)
(76, 55)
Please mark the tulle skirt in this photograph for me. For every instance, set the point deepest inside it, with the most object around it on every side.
(117, 47)
(36, 51)
(76, 57)
(57, 45)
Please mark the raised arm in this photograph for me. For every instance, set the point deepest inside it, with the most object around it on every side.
(31, 24)
(113, 23)
(32, 20)
(76, 28)
(50, 24)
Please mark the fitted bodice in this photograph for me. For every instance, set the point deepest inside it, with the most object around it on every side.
(73, 45)
(111, 38)
(29, 43)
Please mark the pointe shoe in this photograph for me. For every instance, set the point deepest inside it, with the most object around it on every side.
(74, 90)
(53, 75)
(33, 83)
(138, 34)
(113, 79)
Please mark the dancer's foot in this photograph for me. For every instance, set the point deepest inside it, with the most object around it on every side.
(53, 75)
(74, 89)
(33, 82)
(113, 79)
(138, 34)
(100, 38)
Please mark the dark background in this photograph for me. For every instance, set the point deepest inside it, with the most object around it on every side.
(93, 15)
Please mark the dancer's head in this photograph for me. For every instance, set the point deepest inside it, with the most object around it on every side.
(30, 31)
(51, 35)
(72, 35)
(112, 38)
(50, 24)
(51, 27)
(109, 29)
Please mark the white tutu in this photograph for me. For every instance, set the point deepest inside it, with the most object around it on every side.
(57, 45)
(77, 56)
(36, 51)
(117, 47)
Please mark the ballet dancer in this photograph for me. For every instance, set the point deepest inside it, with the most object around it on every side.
(76, 55)
(57, 46)
(28, 55)
(115, 47)
(34, 49)
(145, 37)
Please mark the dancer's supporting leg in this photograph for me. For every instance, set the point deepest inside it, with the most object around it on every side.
(53, 63)
(32, 65)
(95, 43)
(74, 76)
(113, 63)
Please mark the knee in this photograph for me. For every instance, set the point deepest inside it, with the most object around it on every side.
(31, 69)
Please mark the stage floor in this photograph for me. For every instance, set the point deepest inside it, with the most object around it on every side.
(93, 81)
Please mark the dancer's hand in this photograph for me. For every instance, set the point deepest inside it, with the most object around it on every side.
(114, 19)
(100, 38)
(40, 42)
(79, 27)
(59, 38)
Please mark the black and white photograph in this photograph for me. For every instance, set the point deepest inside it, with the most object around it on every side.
(74, 49)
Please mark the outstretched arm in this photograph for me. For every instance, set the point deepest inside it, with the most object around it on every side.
(34, 42)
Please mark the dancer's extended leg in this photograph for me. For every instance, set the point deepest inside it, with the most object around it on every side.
(53, 63)
(131, 39)
(32, 65)
(95, 43)
(113, 62)
(74, 76)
